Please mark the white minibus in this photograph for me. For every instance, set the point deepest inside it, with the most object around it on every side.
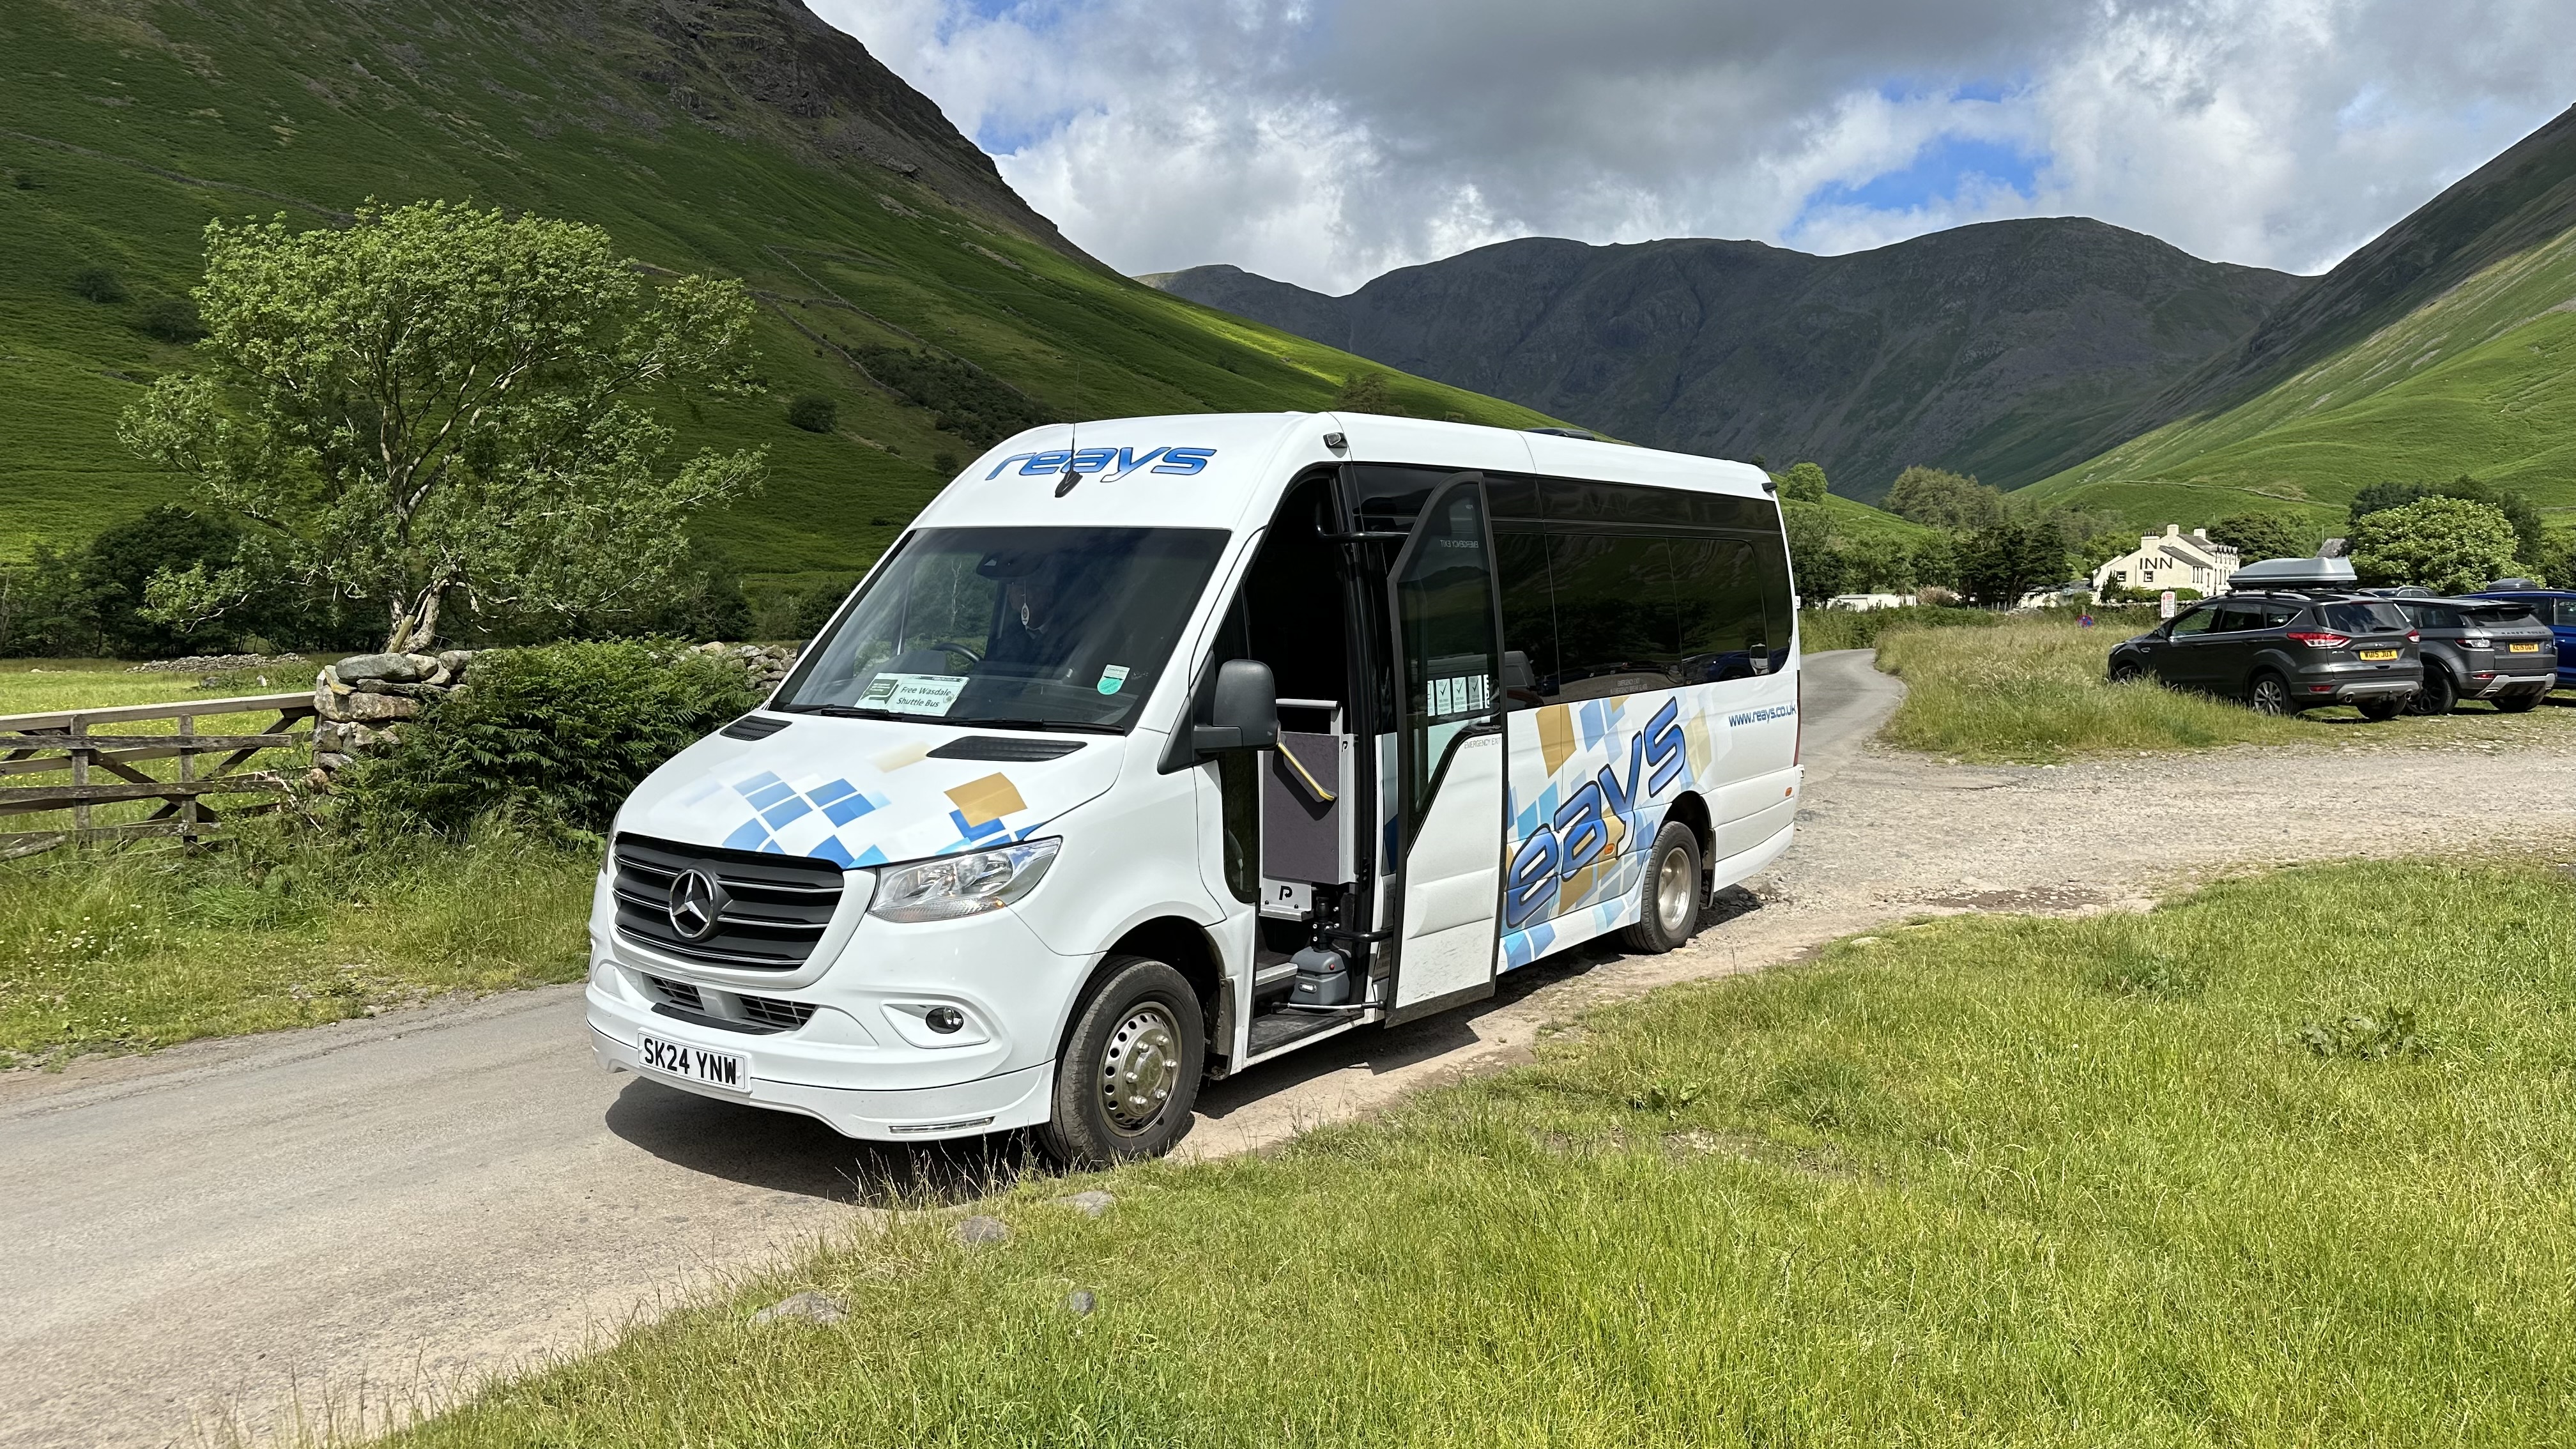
(1159, 748)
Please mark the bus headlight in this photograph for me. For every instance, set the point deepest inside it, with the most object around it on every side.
(955, 886)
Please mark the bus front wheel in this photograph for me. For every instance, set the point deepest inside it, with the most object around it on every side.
(1129, 1074)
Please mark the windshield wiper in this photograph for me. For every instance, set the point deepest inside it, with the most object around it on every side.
(837, 711)
(1059, 725)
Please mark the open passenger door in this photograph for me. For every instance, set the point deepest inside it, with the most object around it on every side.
(1448, 647)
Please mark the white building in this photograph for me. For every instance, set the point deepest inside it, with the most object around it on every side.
(2174, 560)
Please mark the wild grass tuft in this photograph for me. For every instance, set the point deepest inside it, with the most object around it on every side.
(2039, 692)
(121, 950)
(1942, 1190)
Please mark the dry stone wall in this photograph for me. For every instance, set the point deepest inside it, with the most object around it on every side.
(365, 700)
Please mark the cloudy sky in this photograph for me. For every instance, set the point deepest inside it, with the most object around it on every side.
(1326, 141)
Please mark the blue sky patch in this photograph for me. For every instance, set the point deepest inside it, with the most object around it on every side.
(1938, 172)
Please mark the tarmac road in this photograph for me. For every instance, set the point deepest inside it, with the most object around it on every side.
(358, 1221)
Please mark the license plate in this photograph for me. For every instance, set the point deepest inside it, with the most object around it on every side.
(697, 1064)
(2522, 648)
(2379, 654)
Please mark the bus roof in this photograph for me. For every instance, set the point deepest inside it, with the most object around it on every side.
(1228, 470)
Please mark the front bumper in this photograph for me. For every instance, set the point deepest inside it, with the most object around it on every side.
(781, 1072)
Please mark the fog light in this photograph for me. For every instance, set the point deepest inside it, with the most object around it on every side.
(945, 1020)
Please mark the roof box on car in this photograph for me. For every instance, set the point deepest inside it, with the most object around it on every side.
(2294, 573)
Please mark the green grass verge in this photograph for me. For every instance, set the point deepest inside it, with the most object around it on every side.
(1823, 629)
(2036, 692)
(126, 951)
(1987, 1180)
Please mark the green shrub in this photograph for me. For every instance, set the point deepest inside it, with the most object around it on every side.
(813, 412)
(97, 284)
(559, 734)
(969, 401)
(170, 319)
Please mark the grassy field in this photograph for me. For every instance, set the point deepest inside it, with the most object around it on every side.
(2159, 1179)
(2476, 381)
(2036, 692)
(146, 948)
(123, 130)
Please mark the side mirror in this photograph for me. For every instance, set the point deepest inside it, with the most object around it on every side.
(1243, 710)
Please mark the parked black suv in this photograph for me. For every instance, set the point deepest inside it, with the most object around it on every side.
(2481, 649)
(2284, 651)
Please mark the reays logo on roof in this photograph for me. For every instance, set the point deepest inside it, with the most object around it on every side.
(1112, 463)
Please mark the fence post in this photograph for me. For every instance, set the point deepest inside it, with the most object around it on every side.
(187, 773)
(80, 776)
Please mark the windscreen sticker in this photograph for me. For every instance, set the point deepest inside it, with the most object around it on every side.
(1113, 678)
(914, 693)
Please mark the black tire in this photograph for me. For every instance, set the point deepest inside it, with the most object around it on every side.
(1130, 1070)
(2436, 695)
(2268, 693)
(2517, 703)
(1669, 896)
(2381, 707)
(2126, 673)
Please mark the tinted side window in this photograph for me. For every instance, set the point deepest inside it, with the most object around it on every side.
(1616, 629)
(2237, 617)
(2566, 613)
(1529, 616)
(1717, 583)
(2360, 618)
(2276, 615)
(2195, 622)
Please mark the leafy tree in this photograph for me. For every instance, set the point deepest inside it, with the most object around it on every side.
(438, 402)
(2518, 509)
(1804, 483)
(1935, 562)
(2258, 536)
(1815, 554)
(48, 609)
(1877, 564)
(2000, 563)
(2557, 561)
(1367, 392)
(1938, 498)
(2448, 545)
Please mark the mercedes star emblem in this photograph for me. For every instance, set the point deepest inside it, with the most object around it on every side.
(697, 905)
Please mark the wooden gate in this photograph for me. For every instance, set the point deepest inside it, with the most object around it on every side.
(109, 794)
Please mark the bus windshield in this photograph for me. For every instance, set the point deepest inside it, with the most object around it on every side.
(1027, 628)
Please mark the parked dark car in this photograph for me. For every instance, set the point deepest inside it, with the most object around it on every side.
(2557, 609)
(2283, 651)
(2491, 649)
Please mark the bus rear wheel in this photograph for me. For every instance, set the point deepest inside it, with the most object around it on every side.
(1129, 1074)
(1669, 905)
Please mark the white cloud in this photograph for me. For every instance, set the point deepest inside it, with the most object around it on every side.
(1325, 141)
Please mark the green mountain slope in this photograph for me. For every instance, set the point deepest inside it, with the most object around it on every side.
(2447, 346)
(740, 137)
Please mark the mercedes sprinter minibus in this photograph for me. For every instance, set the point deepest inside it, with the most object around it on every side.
(1159, 748)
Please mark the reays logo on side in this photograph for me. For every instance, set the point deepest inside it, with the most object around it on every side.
(1111, 463)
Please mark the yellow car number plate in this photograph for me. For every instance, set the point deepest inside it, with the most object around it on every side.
(2522, 648)
(2379, 654)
